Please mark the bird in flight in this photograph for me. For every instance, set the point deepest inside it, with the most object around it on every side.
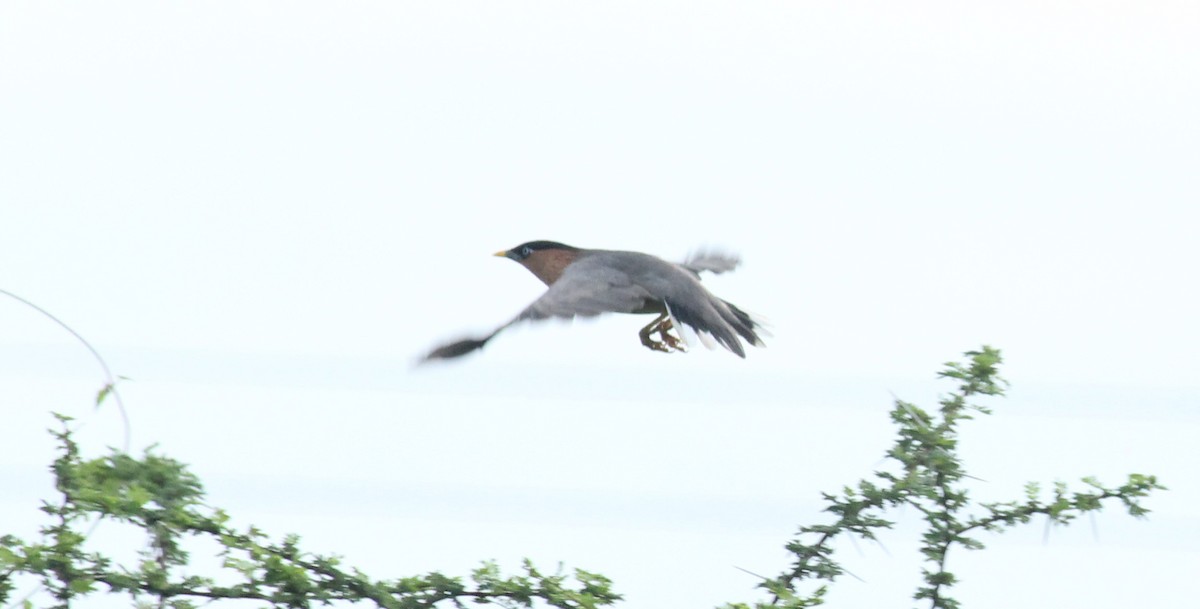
(586, 282)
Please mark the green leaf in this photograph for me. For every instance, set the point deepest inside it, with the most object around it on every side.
(8, 558)
(104, 391)
(82, 585)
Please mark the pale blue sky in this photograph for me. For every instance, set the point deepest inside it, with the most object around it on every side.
(263, 214)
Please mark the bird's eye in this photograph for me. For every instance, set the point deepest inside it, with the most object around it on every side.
(526, 251)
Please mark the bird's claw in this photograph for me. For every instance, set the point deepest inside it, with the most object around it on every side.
(667, 342)
(657, 346)
(670, 341)
(650, 343)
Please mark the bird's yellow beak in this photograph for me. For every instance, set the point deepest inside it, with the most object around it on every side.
(501, 253)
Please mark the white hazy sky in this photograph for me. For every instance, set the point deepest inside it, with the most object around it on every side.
(263, 212)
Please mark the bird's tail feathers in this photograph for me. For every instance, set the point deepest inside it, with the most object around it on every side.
(719, 325)
(748, 325)
(690, 334)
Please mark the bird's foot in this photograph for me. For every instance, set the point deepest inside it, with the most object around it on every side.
(669, 342)
(674, 342)
(652, 344)
(657, 346)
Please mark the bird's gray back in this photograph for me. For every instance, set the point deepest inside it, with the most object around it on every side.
(663, 280)
(680, 290)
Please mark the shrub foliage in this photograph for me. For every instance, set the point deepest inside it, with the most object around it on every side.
(165, 502)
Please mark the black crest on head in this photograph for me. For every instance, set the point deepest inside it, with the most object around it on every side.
(526, 249)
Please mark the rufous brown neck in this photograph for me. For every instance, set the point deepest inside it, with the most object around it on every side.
(548, 264)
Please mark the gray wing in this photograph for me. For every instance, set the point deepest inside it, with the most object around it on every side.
(586, 288)
(712, 261)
